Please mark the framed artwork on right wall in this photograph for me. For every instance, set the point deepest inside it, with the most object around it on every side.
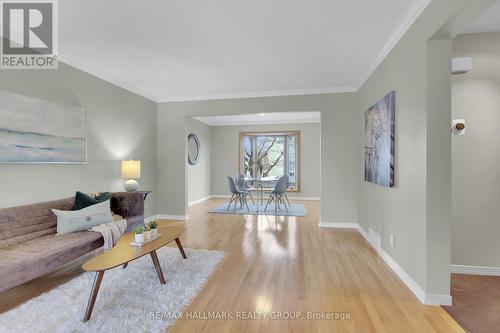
(380, 141)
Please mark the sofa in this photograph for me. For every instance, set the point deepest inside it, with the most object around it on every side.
(29, 246)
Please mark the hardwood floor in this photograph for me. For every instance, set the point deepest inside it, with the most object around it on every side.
(287, 264)
(476, 302)
(290, 264)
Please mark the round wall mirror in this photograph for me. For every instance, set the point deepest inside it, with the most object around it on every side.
(194, 149)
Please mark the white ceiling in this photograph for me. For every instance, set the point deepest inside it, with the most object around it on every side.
(489, 21)
(263, 118)
(188, 50)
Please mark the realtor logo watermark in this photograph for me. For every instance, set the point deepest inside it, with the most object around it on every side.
(29, 34)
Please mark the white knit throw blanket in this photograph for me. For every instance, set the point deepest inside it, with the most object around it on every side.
(111, 232)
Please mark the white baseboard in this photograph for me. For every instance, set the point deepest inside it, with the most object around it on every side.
(429, 299)
(338, 225)
(475, 270)
(197, 201)
(149, 219)
(291, 197)
(436, 300)
(172, 217)
(401, 273)
(225, 196)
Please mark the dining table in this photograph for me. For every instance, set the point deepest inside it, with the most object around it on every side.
(258, 183)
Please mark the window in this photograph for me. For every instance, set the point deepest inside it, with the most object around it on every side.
(269, 154)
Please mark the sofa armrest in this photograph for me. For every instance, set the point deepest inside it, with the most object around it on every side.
(127, 204)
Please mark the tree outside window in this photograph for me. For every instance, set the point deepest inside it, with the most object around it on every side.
(270, 154)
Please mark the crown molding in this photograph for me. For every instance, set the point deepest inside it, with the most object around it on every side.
(270, 93)
(104, 76)
(263, 121)
(134, 89)
(406, 22)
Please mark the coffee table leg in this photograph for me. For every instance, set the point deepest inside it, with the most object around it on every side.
(179, 245)
(156, 262)
(93, 295)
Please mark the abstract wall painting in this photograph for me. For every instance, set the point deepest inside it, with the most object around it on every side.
(380, 141)
(38, 131)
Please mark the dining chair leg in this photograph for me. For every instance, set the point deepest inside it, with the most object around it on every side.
(276, 206)
(285, 199)
(251, 197)
(268, 202)
(246, 203)
(284, 203)
(229, 206)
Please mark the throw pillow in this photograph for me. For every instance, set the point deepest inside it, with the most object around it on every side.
(83, 219)
(83, 200)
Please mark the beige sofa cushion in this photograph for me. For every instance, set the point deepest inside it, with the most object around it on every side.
(21, 263)
(24, 223)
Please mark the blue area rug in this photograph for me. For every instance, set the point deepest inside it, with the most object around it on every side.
(295, 210)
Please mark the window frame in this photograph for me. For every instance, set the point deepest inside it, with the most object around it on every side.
(295, 133)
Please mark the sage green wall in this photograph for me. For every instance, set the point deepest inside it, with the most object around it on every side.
(417, 210)
(339, 141)
(199, 175)
(476, 155)
(120, 125)
(225, 155)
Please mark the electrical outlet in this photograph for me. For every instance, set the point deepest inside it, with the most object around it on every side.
(392, 240)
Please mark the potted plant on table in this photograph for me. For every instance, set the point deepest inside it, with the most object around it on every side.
(154, 228)
(139, 235)
(147, 232)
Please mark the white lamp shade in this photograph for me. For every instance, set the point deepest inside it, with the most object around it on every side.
(131, 169)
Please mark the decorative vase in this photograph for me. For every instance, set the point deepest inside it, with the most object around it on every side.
(139, 238)
(147, 235)
(154, 232)
(131, 185)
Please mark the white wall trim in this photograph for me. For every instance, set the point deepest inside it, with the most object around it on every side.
(273, 122)
(410, 283)
(149, 219)
(291, 197)
(253, 94)
(429, 299)
(172, 217)
(106, 77)
(338, 225)
(406, 22)
(197, 201)
(363, 232)
(436, 299)
(225, 196)
(475, 270)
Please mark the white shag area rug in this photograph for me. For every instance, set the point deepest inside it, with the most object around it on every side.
(126, 299)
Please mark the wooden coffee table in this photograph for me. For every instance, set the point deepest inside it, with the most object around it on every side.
(123, 253)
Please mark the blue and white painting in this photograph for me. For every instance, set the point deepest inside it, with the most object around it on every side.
(38, 131)
(379, 141)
